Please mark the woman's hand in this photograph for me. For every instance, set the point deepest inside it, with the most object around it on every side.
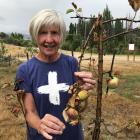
(50, 125)
(86, 80)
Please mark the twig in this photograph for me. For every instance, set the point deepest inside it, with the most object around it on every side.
(126, 19)
(122, 33)
(84, 17)
(85, 44)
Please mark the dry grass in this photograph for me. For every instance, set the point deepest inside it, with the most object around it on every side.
(11, 127)
(117, 112)
(15, 50)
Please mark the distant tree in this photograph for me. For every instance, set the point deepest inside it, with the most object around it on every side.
(119, 41)
(3, 35)
(16, 39)
(72, 29)
(66, 45)
(108, 29)
(81, 28)
(90, 23)
(76, 42)
(108, 16)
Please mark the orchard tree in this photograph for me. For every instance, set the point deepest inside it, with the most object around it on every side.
(102, 34)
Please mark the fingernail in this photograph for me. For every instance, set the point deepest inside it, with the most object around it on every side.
(64, 127)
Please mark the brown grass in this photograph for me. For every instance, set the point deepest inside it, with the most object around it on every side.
(15, 50)
(118, 111)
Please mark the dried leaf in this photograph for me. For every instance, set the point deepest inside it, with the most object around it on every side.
(15, 110)
(138, 124)
(9, 97)
(5, 85)
(74, 122)
(72, 100)
(65, 116)
(135, 4)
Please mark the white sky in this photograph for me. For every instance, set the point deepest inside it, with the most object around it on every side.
(15, 14)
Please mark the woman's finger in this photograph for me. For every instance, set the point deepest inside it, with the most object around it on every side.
(87, 86)
(52, 125)
(91, 81)
(83, 74)
(46, 135)
(53, 122)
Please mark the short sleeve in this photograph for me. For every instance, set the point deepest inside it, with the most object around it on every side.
(22, 81)
(75, 65)
(75, 68)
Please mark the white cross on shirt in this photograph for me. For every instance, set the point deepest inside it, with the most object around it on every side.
(53, 88)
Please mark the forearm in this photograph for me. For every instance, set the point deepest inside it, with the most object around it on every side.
(33, 120)
(31, 113)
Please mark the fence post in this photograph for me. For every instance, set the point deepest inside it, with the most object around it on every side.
(9, 60)
(134, 56)
(127, 55)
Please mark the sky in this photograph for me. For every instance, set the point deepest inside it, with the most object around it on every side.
(16, 14)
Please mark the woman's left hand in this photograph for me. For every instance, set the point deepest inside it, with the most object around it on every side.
(86, 80)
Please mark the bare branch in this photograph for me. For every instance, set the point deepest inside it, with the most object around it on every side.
(126, 19)
(107, 21)
(84, 17)
(122, 33)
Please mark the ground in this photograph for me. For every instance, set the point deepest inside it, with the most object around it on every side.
(120, 107)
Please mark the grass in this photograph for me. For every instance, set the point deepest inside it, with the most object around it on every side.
(129, 86)
(11, 127)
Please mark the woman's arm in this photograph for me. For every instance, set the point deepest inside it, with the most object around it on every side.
(47, 125)
(31, 114)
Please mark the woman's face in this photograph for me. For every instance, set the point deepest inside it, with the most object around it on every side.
(49, 41)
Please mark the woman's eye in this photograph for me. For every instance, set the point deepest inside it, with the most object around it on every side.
(51, 33)
(43, 32)
(54, 32)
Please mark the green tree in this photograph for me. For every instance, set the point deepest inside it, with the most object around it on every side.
(72, 28)
(76, 42)
(119, 41)
(16, 39)
(90, 23)
(3, 35)
(81, 28)
(108, 27)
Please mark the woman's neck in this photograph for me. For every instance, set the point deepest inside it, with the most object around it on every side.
(48, 59)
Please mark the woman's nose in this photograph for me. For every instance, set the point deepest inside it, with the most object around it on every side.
(49, 38)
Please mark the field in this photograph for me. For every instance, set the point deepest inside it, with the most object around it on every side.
(120, 111)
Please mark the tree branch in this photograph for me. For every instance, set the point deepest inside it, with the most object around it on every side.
(122, 33)
(107, 21)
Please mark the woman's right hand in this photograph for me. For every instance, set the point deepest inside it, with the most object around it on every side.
(49, 124)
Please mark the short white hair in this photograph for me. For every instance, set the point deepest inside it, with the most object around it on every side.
(44, 18)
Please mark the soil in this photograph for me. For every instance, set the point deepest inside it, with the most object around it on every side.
(120, 115)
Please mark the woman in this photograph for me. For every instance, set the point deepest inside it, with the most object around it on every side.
(46, 79)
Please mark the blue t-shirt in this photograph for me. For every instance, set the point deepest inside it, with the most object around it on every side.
(48, 83)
